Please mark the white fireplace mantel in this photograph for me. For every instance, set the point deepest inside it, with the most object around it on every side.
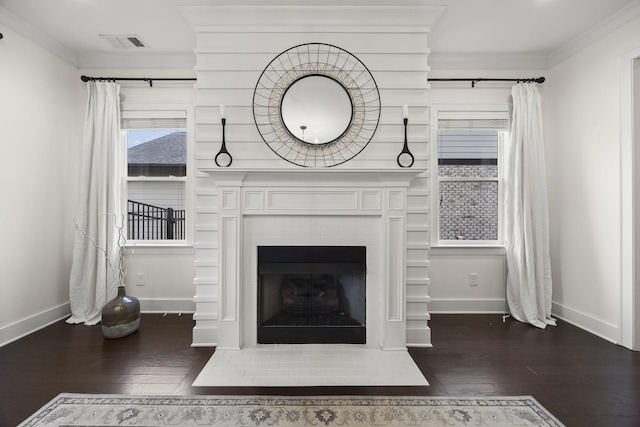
(308, 175)
(302, 207)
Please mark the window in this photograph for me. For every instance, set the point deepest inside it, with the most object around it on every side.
(469, 177)
(158, 170)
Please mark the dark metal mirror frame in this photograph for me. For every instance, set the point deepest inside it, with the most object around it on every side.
(324, 60)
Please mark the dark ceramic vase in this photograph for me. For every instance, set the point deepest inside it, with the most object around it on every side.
(121, 315)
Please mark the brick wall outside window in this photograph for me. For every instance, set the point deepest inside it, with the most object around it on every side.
(468, 209)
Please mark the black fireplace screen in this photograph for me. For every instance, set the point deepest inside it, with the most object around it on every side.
(311, 294)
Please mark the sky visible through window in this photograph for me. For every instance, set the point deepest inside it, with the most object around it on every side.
(137, 137)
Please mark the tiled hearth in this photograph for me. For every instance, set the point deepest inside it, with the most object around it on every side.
(310, 365)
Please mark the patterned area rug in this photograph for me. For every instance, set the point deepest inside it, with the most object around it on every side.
(123, 410)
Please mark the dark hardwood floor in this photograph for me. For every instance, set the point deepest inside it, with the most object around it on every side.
(581, 379)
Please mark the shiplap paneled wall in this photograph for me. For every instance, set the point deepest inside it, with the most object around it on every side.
(236, 41)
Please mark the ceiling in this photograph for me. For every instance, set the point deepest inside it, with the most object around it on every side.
(518, 34)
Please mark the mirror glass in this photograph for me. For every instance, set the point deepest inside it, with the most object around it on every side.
(316, 109)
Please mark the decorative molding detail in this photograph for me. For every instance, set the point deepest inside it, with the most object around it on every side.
(313, 200)
(254, 199)
(488, 60)
(28, 31)
(396, 269)
(396, 200)
(229, 261)
(370, 200)
(229, 200)
(22, 328)
(586, 322)
(595, 33)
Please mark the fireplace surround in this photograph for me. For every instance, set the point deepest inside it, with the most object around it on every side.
(370, 209)
(261, 200)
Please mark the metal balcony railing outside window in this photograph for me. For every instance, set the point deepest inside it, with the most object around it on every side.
(148, 222)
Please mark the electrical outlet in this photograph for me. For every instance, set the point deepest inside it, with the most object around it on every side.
(140, 279)
(473, 279)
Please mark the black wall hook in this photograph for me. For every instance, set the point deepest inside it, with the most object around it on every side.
(223, 159)
(405, 158)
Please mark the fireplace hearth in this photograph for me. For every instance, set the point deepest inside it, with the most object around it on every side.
(311, 295)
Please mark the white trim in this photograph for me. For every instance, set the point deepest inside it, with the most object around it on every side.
(24, 327)
(595, 33)
(586, 322)
(467, 306)
(455, 110)
(627, 211)
(37, 36)
(167, 305)
(467, 251)
(168, 109)
(160, 247)
(520, 61)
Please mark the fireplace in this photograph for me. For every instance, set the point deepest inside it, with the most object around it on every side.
(311, 295)
(378, 212)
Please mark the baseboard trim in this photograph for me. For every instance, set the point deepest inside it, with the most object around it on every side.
(22, 328)
(467, 306)
(578, 319)
(587, 323)
(165, 305)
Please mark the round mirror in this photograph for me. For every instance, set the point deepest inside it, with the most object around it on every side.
(316, 105)
(316, 109)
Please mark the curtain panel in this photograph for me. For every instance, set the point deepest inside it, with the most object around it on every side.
(96, 251)
(529, 284)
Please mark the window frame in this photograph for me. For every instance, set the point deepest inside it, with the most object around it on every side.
(162, 110)
(460, 109)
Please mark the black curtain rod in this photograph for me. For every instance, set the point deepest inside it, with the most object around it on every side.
(474, 81)
(139, 79)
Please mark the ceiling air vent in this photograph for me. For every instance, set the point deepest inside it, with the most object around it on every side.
(123, 41)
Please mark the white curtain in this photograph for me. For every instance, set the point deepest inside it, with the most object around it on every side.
(527, 216)
(92, 282)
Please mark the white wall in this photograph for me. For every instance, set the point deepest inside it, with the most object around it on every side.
(582, 128)
(40, 120)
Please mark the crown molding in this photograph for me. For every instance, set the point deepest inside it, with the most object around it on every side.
(488, 60)
(37, 36)
(615, 21)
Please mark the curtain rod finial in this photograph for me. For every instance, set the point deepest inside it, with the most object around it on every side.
(84, 78)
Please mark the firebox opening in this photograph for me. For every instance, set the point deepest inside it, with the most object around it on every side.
(311, 295)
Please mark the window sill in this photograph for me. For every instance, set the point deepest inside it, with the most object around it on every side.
(485, 250)
(159, 249)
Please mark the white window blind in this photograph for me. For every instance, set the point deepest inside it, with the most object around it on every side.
(163, 119)
(495, 120)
